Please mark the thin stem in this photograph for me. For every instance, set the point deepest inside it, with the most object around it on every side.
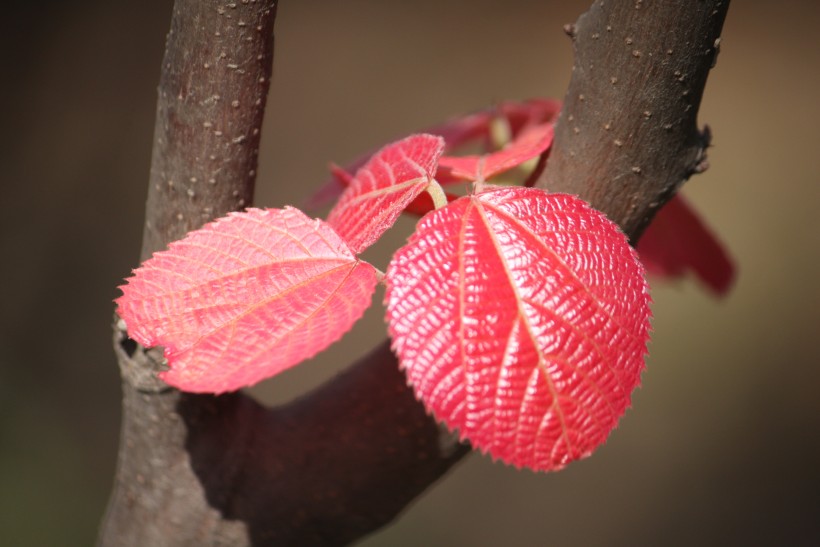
(437, 193)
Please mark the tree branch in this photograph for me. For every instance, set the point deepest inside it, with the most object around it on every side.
(627, 136)
(211, 99)
(346, 458)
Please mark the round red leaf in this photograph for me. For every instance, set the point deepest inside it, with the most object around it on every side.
(521, 319)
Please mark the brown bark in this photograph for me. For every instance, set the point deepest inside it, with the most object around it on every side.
(211, 98)
(345, 459)
(627, 137)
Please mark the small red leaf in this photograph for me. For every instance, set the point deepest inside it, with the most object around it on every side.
(461, 131)
(383, 187)
(524, 114)
(531, 143)
(521, 319)
(246, 297)
(677, 241)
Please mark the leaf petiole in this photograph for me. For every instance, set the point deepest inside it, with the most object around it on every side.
(437, 193)
(500, 131)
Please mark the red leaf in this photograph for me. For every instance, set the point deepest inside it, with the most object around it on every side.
(381, 189)
(245, 297)
(464, 129)
(531, 143)
(524, 114)
(520, 115)
(457, 132)
(521, 319)
(678, 241)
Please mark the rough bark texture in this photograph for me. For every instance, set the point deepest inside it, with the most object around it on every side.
(627, 137)
(212, 91)
(345, 459)
(211, 98)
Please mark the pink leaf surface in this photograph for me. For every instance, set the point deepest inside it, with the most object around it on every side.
(531, 143)
(521, 319)
(677, 242)
(246, 297)
(383, 187)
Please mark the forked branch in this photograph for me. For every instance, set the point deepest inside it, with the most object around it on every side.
(345, 459)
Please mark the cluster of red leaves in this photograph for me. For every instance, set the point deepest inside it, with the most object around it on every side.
(521, 317)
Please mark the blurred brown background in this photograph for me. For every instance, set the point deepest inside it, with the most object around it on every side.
(722, 446)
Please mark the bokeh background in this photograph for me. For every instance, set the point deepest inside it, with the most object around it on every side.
(722, 446)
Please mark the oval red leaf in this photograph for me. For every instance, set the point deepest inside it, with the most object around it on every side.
(383, 187)
(246, 297)
(521, 319)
